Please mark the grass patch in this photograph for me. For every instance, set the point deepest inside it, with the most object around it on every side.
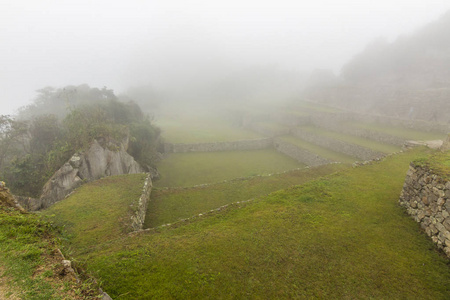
(188, 169)
(28, 263)
(343, 236)
(183, 129)
(371, 144)
(323, 152)
(171, 205)
(98, 211)
(405, 133)
(438, 163)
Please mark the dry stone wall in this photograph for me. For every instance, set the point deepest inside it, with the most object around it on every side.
(339, 146)
(254, 144)
(139, 208)
(426, 197)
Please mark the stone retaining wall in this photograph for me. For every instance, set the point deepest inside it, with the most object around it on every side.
(336, 145)
(254, 144)
(426, 197)
(301, 155)
(139, 208)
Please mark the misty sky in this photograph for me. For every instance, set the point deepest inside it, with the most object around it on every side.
(121, 43)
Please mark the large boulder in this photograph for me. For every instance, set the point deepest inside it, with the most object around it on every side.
(100, 160)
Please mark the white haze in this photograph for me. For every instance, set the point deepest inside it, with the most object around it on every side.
(174, 43)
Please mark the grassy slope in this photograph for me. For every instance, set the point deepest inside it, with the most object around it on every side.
(170, 205)
(98, 210)
(188, 169)
(321, 151)
(343, 236)
(409, 134)
(377, 146)
(29, 264)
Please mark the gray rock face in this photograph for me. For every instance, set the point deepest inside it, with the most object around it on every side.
(96, 162)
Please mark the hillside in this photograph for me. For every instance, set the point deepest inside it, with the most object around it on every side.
(406, 78)
(340, 236)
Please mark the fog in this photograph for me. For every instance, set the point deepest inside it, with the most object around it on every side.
(190, 49)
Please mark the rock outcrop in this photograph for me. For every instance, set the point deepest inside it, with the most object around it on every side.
(7, 199)
(100, 160)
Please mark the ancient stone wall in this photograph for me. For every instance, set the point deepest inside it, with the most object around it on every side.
(301, 155)
(426, 197)
(336, 145)
(139, 208)
(254, 144)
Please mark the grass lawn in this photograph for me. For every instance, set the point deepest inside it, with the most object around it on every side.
(371, 144)
(342, 236)
(171, 205)
(408, 134)
(323, 152)
(98, 210)
(29, 266)
(183, 129)
(188, 169)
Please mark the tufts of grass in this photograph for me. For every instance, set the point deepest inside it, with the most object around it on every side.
(27, 256)
(342, 236)
(171, 205)
(188, 169)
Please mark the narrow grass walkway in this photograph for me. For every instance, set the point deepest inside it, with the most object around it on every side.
(340, 237)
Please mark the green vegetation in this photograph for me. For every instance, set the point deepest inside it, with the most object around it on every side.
(32, 150)
(171, 205)
(323, 152)
(384, 148)
(28, 261)
(201, 129)
(188, 169)
(405, 133)
(438, 163)
(341, 236)
(98, 210)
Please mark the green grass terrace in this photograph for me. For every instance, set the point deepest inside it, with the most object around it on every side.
(371, 144)
(341, 236)
(194, 168)
(405, 133)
